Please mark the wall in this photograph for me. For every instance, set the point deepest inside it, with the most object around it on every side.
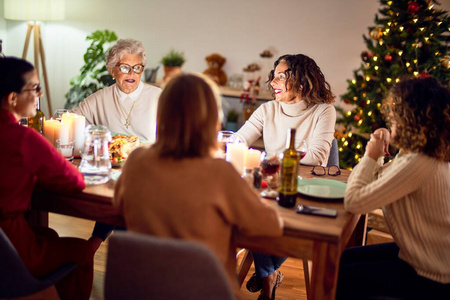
(327, 30)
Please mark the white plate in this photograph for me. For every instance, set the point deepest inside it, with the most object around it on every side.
(319, 188)
(115, 175)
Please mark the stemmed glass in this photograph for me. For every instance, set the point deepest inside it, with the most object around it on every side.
(270, 165)
(302, 148)
(59, 113)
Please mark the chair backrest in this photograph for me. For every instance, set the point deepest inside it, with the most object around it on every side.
(333, 159)
(146, 267)
(15, 279)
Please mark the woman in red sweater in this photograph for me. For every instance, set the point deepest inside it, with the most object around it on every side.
(30, 162)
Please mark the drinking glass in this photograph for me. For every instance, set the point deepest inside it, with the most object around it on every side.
(302, 148)
(59, 112)
(270, 165)
(65, 148)
(224, 137)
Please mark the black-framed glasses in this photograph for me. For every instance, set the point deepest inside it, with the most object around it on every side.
(126, 69)
(37, 89)
(322, 171)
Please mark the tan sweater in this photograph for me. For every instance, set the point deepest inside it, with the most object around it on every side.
(414, 192)
(104, 108)
(314, 124)
(199, 199)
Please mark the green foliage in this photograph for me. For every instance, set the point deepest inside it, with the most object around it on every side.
(232, 116)
(94, 75)
(173, 59)
(410, 38)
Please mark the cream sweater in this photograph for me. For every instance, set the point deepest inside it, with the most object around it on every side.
(199, 199)
(314, 124)
(414, 192)
(104, 108)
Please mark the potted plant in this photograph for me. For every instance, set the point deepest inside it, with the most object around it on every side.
(172, 62)
(94, 75)
(232, 120)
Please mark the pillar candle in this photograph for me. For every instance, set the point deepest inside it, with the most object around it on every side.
(50, 129)
(235, 155)
(252, 158)
(62, 132)
(76, 130)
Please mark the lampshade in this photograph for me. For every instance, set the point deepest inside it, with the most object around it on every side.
(34, 10)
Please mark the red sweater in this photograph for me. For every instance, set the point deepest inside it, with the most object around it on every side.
(27, 161)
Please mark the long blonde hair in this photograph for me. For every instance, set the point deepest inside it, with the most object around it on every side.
(189, 112)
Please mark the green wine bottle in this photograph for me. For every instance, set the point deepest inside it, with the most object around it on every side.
(37, 122)
(287, 191)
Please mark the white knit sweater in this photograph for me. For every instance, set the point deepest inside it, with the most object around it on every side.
(414, 192)
(104, 108)
(314, 124)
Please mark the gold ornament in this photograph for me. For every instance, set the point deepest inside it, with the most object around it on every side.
(376, 33)
(446, 62)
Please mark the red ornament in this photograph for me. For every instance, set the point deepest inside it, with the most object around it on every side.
(388, 58)
(346, 101)
(413, 7)
(357, 118)
(424, 75)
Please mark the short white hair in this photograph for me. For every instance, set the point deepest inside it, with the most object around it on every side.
(124, 46)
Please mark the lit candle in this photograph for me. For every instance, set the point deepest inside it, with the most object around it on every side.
(252, 158)
(50, 129)
(76, 125)
(235, 155)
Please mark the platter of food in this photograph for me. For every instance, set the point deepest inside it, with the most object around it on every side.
(120, 147)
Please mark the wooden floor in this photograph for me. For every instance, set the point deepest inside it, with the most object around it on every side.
(293, 286)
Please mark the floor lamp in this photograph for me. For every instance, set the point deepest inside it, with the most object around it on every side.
(35, 11)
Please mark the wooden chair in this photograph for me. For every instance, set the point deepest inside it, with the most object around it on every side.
(16, 280)
(247, 259)
(146, 267)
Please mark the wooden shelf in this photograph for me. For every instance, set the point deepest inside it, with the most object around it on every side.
(234, 93)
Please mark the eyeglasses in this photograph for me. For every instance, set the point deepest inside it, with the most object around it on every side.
(37, 89)
(126, 69)
(322, 171)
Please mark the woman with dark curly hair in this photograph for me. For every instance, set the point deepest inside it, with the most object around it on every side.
(414, 193)
(302, 101)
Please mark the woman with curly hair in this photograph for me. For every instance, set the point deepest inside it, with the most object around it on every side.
(414, 192)
(302, 101)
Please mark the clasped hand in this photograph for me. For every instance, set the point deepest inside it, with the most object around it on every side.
(378, 144)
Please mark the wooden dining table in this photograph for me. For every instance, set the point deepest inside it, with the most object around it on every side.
(318, 239)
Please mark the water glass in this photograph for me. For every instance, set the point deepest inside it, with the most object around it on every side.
(65, 148)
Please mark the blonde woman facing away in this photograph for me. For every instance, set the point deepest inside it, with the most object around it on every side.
(176, 188)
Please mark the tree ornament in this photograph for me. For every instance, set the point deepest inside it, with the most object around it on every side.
(365, 56)
(446, 62)
(388, 58)
(376, 33)
(424, 75)
(347, 101)
(413, 7)
(357, 118)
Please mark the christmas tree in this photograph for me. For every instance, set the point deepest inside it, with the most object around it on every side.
(409, 39)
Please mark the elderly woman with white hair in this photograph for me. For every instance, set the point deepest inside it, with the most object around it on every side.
(128, 106)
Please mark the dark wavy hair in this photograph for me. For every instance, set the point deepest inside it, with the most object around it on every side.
(419, 107)
(12, 71)
(189, 113)
(306, 78)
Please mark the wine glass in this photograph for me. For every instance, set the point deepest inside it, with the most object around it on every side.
(270, 165)
(302, 148)
(59, 113)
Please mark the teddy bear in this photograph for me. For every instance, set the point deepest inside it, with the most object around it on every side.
(215, 62)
